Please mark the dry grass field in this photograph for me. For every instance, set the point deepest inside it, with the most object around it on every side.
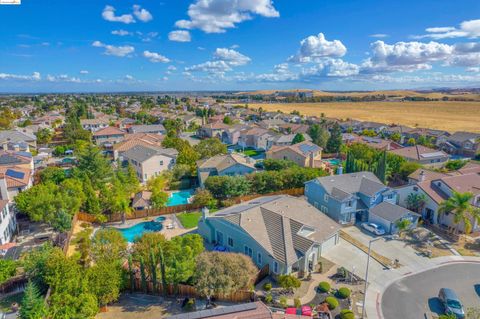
(450, 116)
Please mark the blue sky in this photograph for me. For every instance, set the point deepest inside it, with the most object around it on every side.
(96, 45)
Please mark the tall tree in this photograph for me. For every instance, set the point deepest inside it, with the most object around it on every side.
(298, 138)
(94, 165)
(335, 140)
(319, 135)
(463, 211)
(33, 304)
(210, 147)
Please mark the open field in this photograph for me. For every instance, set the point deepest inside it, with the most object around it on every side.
(450, 116)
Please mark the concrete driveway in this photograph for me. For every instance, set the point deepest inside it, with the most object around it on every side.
(415, 296)
(390, 248)
(353, 259)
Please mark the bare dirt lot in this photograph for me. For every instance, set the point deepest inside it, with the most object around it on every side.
(443, 115)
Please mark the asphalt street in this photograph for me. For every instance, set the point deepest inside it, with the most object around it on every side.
(415, 297)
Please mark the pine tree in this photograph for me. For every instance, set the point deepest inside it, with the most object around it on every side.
(32, 305)
(143, 275)
(335, 140)
(381, 167)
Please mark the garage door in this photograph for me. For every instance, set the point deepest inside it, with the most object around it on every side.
(329, 243)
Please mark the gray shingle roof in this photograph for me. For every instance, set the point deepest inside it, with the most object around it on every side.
(141, 153)
(390, 212)
(363, 182)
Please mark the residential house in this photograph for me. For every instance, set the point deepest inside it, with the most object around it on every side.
(291, 128)
(255, 137)
(304, 154)
(348, 198)
(220, 165)
(16, 140)
(150, 161)
(388, 216)
(108, 136)
(8, 222)
(232, 135)
(141, 200)
(272, 124)
(422, 155)
(131, 140)
(374, 142)
(372, 126)
(285, 232)
(251, 310)
(151, 129)
(284, 140)
(94, 125)
(437, 137)
(438, 189)
(462, 143)
(212, 130)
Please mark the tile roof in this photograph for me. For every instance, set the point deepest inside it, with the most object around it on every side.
(142, 153)
(109, 130)
(274, 222)
(418, 152)
(222, 162)
(15, 176)
(363, 182)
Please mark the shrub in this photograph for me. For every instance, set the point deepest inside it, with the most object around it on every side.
(267, 286)
(347, 314)
(332, 302)
(289, 282)
(324, 286)
(268, 298)
(343, 293)
(297, 303)
(283, 301)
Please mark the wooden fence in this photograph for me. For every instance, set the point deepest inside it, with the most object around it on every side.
(189, 291)
(182, 208)
(13, 284)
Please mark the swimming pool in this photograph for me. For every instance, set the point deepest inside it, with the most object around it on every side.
(334, 161)
(139, 229)
(180, 197)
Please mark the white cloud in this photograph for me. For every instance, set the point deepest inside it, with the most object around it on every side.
(212, 67)
(120, 51)
(467, 29)
(180, 36)
(405, 56)
(231, 57)
(62, 78)
(129, 77)
(379, 35)
(215, 16)
(155, 57)
(317, 47)
(142, 14)
(235, 46)
(121, 32)
(331, 68)
(147, 37)
(172, 68)
(34, 77)
(109, 15)
(84, 72)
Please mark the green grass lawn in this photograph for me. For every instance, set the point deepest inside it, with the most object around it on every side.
(6, 302)
(189, 220)
(252, 152)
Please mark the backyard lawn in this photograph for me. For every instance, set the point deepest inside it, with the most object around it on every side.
(189, 220)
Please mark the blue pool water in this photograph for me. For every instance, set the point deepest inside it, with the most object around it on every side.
(179, 198)
(139, 229)
(334, 161)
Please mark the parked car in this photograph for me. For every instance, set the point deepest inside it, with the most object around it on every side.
(374, 228)
(451, 303)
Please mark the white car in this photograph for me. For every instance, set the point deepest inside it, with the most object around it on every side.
(374, 228)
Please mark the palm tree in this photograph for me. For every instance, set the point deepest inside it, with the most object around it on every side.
(459, 205)
(416, 202)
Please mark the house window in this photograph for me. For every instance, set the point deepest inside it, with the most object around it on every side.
(219, 238)
(161, 163)
(349, 203)
(324, 209)
(248, 251)
(390, 196)
(230, 241)
(275, 267)
(325, 198)
(259, 258)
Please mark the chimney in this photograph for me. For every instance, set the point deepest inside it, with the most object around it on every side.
(421, 177)
(3, 188)
(205, 213)
(339, 170)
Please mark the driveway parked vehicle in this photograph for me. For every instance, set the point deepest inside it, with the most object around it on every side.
(374, 228)
(451, 303)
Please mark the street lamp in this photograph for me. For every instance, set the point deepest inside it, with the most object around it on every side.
(366, 273)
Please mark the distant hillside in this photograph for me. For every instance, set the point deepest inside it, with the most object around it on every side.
(453, 94)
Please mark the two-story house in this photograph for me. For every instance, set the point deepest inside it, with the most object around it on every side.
(348, 198)
(284, 232)
(108, 136)
(463, 143)
(221, 165)
(304, 154)
(150, 161)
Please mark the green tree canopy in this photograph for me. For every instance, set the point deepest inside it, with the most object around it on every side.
(298, 138)
(210, 147)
